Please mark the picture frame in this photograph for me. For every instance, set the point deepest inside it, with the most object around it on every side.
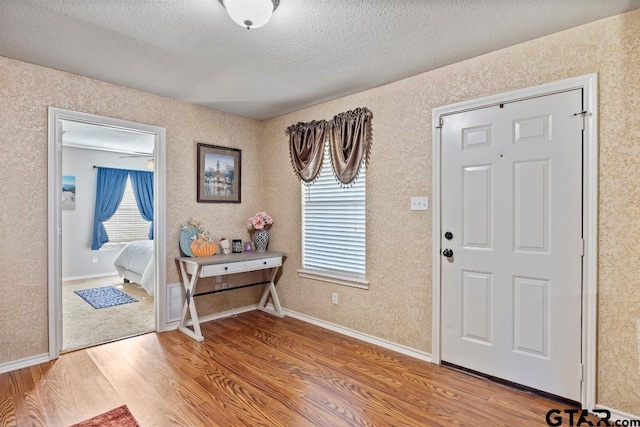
(68, 192)
(219, 176)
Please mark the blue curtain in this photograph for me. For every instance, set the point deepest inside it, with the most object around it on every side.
(142, 184)
(109, 190)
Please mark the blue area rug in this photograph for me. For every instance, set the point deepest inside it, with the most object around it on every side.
(105, 296)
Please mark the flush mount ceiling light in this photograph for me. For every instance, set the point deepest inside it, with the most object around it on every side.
(250, 13)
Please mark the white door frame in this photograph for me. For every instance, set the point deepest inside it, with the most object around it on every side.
(588, 83)
(55, 217)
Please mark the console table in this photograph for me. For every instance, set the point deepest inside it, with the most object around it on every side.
(192, 268)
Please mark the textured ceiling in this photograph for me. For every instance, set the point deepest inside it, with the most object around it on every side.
(310, 52)
(93, 136)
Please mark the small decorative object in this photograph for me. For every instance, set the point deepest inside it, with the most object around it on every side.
(236, 246)
(203, 244)
(225, 246)
(247, 246)
(259, 224)
(188, 232)
(219, 179)
(195, 240)
(261, 240)
(203, 248)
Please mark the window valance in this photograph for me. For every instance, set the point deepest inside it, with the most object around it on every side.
(306, 144)
(349, 137)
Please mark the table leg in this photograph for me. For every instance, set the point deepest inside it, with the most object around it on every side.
(189, 303)
(270, 289)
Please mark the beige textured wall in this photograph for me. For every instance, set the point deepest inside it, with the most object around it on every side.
(26, 91)
(397, 306)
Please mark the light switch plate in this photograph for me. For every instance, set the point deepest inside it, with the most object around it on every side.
(419, 203)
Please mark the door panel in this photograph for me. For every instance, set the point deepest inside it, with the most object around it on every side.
(531, 205)
(476, 311)
(531, 316)
(477, 206)
(511, 196)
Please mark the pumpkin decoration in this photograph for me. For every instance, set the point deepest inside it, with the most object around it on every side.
(203, 248)
(195, 240)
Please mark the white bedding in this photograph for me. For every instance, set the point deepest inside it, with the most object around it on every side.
(137, 257)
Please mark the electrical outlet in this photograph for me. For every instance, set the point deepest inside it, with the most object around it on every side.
(334, 298)
(218, 279)
(95, 259)
(419, 203)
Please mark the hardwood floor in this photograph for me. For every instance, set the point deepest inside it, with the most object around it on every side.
(258, 370)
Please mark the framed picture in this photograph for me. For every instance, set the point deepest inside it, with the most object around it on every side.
(219, 174)
(68, 193)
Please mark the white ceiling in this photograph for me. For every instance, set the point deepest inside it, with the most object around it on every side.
(310, 52)
(106, 138)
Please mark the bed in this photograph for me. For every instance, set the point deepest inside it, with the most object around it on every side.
(135, 263)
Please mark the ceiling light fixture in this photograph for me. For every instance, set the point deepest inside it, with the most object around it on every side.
(250, 13)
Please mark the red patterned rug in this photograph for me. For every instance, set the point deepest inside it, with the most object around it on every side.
(119, 417)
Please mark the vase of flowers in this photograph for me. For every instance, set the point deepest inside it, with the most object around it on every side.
(259, 226)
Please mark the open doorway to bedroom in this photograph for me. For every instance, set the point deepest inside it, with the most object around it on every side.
(107, 234)
(104, 282)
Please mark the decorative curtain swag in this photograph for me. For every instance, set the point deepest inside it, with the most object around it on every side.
(350, 137)
(306, 144)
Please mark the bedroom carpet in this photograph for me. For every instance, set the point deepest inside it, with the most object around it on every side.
(84, 326)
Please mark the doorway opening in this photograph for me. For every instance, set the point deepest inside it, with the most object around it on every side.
(106, 227)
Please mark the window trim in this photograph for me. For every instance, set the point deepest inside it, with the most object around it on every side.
(338, 279)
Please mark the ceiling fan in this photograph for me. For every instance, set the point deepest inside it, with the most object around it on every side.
(150, 162)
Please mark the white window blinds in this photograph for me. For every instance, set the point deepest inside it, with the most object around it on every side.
(333, 226)
(127, 225)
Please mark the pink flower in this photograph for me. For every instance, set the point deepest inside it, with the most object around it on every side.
(260, 221)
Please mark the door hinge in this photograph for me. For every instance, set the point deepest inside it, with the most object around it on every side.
(582, 247)
(440, 123)
(584, 115)
(581, 372)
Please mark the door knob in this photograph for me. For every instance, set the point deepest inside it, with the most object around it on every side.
(448, 253)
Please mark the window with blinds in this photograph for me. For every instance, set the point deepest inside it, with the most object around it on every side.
(333, 226)
(127, 225)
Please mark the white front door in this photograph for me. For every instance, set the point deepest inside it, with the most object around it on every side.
(511, 266)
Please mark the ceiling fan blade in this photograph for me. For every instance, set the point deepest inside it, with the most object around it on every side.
(137, 155)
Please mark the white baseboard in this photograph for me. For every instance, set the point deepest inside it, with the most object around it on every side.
(23, 363)
(90, 276)
(619, 415)
(402, 349)
(227, 313)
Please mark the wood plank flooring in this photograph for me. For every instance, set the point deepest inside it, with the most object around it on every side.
(258, 370)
